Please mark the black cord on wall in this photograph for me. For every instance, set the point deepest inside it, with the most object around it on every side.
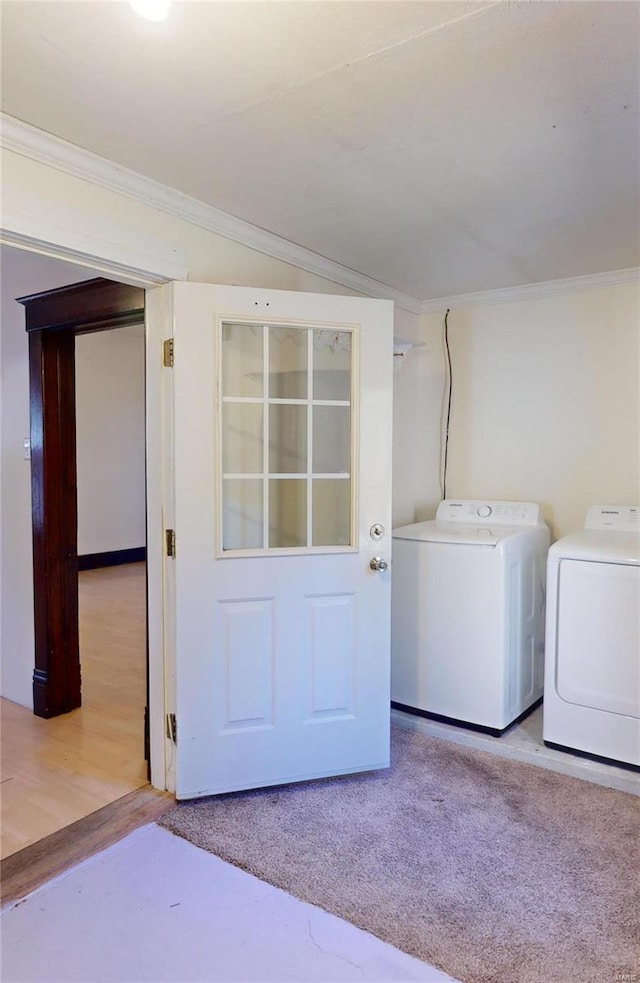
(450, 384)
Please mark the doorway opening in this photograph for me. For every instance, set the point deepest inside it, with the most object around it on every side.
(95, 755)
(54, 319)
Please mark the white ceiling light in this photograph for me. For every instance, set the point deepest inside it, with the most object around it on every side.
(151, 9)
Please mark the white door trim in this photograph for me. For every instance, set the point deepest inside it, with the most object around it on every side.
(108, 258)
(111, 259)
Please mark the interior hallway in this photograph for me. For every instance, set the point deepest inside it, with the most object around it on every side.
(57, 771)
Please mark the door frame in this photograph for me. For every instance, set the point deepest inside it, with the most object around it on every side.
(103, 256)
(53, 320)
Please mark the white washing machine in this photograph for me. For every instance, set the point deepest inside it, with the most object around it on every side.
(592, 674)
(467, 613)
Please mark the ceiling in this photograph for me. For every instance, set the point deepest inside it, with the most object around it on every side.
(438, 147)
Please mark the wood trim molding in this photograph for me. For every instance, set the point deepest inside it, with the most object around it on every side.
(28, 869)
(56, 677)
(119, 260)
(533, 291)
(53, 319)
(87, 305)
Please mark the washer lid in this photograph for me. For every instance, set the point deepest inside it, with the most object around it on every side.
(600, 546)
(458, 533)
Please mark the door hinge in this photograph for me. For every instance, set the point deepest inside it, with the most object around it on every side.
(170, 537)
(167, 353)
(172, 728)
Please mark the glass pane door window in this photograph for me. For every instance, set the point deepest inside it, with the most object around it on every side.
(286, 437)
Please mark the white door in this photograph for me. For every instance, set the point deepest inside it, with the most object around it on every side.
(282, 407)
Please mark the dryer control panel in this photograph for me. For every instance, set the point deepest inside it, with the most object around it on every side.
(621, 518)
(500, 513)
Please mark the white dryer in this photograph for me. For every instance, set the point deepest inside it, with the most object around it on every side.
(467, 613)
(592, 673)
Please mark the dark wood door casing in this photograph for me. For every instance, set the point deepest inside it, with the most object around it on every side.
(56, 677)
(53, 319)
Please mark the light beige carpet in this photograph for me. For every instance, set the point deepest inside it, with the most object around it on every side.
(492, 870)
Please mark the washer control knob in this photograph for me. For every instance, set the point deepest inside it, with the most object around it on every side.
(484, 511)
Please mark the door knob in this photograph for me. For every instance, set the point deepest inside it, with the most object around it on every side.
(377, 563)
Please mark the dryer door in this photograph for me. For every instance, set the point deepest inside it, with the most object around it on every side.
(599, 636)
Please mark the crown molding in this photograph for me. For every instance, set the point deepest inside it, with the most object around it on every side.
(533, 291)
(37, 145)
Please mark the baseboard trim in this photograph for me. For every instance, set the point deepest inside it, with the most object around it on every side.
(113, 558)
(465, 724)
(578, 753)
(29, 868)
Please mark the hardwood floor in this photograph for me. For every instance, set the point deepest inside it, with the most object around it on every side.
(54, 772)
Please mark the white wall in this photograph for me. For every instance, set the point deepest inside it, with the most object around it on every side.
(110, 440)
(21, 273)
(417, 398)
(546, 401)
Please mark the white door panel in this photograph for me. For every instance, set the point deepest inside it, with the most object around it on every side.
(281, 467)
